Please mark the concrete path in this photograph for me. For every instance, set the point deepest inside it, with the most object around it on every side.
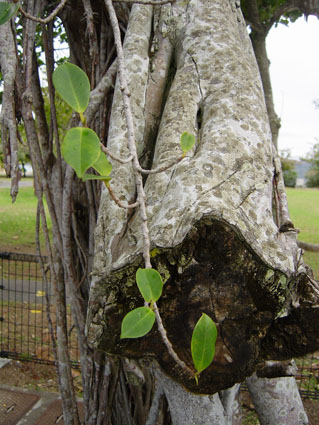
(31, 417)
(17, 290)
(13, 397)
(6, 183)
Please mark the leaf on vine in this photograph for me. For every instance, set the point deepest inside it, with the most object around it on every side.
(137, 322)
(203, 343)
(150, 284)
(187, 142)
(73, 85)
(80, 149)
(7, 11)
(102, 165)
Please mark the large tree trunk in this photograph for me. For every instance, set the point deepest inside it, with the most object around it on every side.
(214, 237)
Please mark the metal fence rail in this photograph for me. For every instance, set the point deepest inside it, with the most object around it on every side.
(24, 330)
(25, 301)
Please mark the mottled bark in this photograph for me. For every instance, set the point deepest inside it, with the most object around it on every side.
(199, 410)
(277, 401)
(213, 235)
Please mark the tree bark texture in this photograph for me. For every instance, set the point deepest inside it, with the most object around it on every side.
(8, 64)
(220, 243)
(222, 408)
(220, 232)
(277, 401)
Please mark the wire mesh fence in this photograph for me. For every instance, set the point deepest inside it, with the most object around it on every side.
(308, 376)
(26, 308)
(26, 299)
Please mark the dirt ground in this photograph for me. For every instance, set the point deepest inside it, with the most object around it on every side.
(42, 377)
(34, 376)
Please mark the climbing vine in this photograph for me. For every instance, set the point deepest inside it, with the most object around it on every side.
(82, 150)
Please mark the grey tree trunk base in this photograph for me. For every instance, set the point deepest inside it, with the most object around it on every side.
(277, 401)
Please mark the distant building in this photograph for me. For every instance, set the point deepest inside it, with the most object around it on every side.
(301, 168)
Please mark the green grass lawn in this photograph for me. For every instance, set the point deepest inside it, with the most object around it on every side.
(304, 212)
(18, 221)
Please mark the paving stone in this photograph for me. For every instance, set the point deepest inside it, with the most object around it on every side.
(14, 405)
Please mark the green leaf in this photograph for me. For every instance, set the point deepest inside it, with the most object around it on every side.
(102, 165)
(187, 142)
(73, 85)
(150, 284)
(203, 343)
(88, 176)
(7, 11)
(80, 149)
(137, 323)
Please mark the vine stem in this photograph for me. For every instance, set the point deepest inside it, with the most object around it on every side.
(116, 158)
(117, 201)
(167, 342)
(141, 198)
(162, 168)
(45, 20)
(158, 170)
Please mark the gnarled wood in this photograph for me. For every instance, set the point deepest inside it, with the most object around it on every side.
(213, 235)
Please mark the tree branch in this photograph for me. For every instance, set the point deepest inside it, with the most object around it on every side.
(308, 246)
(168, 344)
(155, 407)
(8, 64)
(131, 131)
(45, 20)
(252, 16)
(47, 36)
(94, 53)
(97, 95)
(116, 158)
(162, 168)
(146, 2)
(118, 202)
(304, 6)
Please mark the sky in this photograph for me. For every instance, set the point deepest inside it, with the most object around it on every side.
(294, 55)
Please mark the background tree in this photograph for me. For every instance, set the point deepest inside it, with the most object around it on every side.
(313, 174)
(288, 169)
(189, 67)
(261, 16)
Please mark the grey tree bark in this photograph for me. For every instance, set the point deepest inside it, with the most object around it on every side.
(8, 127)
(220, 231)
(277, 401)
(215, 191)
